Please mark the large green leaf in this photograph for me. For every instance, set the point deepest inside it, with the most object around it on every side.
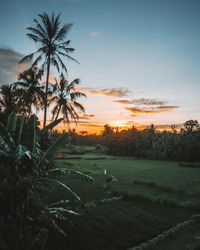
(51, 125)
(49, 154)
(70, 173)
(58, 189)
(12, 121)
(4, 155)
(8, 139)
(21, 152)
(3, 145)
(33, 132)
(21, 124)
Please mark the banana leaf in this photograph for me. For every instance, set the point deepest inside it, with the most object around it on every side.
(4, 155)
(12, 122)
(21, 124)
(3, 145)
(70, 173)
(8, 139)
(59, 189)
(33, 133)
(21, 152)
(51, 125)
(49, 154)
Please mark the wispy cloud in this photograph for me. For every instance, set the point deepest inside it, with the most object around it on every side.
(110, 92)
(9, 67)
(167, 107)
(95, 33)
(152, 110)
(87, 117)
(142, 101)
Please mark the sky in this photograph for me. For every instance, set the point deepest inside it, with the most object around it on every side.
(139, 59)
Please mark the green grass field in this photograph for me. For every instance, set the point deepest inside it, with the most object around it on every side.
(156, 196)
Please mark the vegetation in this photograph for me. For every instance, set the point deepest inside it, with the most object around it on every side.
(50, 36)
(148, 143)
(25, 181)
(65, 96)
(29, 211)
(149, 198)
(140, 201)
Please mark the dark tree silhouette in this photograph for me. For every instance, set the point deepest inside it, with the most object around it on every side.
(191, 125)
(65, 99)
(32, 91)
(50, 35)
(8, 99)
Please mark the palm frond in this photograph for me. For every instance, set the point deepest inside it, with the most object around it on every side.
(78, 105)
(63, 32)
(27, 58)
(67, 56)
(61, 63)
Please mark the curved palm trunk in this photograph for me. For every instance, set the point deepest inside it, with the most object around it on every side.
(46, 92)
(58, 113)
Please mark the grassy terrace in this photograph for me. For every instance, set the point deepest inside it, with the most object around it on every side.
(157, 196)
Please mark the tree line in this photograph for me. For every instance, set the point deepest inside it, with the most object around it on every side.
(183, 145)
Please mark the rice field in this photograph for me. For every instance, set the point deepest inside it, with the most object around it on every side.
(156, 196)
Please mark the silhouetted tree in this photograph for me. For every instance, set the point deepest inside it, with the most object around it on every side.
(191, 125)
(32, 91)
(50, 35)
(65, 99)
(9, 99)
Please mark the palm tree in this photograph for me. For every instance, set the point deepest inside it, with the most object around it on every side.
(8, 99)
(50, 35)
(32, 91)
(65, 96)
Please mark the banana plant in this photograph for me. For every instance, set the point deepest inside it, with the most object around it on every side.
(25, 178)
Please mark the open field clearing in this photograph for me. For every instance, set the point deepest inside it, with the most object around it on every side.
(156, 196)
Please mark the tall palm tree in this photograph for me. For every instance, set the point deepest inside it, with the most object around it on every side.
(31, 89)
(50, 35)
(65, 99)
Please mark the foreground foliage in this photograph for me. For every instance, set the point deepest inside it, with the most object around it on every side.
(27, 215)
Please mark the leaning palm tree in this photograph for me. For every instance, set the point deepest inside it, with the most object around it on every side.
(31, 89)
(50, 35)
(65, 99)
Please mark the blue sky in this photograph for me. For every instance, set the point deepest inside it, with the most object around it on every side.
(149, 47)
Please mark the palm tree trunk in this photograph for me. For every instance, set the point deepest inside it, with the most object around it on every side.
(46, 92)
(58, 113)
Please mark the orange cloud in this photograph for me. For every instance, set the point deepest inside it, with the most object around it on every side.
(152, 110)
(87, 117)
(100, 91)
(167, 107)
(141, 101)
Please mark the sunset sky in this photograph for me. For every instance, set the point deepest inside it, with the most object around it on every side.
(139, 59)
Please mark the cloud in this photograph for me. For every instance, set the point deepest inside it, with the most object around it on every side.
(152, 110)
(110, 92)
(95, 33)
(9, 67)
(87, 117)
(141, 101)
(167, 107)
